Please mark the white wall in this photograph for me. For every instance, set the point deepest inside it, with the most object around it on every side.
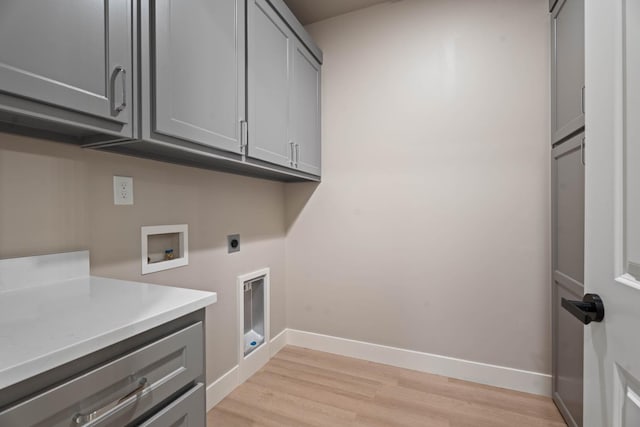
(430, 230)
(56, 198)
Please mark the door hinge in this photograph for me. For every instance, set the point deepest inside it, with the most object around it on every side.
(244, 136)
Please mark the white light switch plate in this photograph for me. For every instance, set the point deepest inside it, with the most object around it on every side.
(122, 190)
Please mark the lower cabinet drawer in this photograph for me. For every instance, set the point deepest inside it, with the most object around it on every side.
(118, 392)
(186, 411)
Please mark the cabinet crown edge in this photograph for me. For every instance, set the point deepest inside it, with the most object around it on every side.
(298, 29)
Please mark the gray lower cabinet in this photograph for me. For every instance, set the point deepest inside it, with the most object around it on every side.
(568, 165)
(185, 411)
(567, 69)
(67, 63)
(194, 72)
(158, 383)
(283, 93)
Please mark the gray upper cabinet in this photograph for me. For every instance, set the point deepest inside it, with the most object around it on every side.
(283, 93)
(270, 48)
(68, 61)
(231, 85)
(198, 72)
(306, 110)
(567, 69)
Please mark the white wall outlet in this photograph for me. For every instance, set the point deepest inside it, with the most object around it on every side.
(122, 190)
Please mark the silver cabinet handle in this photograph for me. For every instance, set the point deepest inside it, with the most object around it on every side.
(582, 99)
(81, 419)
(292, 158)
(244, 136)
(120, 71)
(582, 154)
(297, 154)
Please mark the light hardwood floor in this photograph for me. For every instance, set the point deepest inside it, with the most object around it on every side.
(301, 387)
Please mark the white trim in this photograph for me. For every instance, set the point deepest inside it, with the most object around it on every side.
(278, 342)
(181, 259)
(483, 373)
(222, 387)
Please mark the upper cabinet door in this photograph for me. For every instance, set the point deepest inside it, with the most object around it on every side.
(306, 110)
(199, 72)
(270, 48)
(73, 54)
(567, 68)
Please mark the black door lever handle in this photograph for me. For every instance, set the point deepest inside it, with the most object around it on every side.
(590, 309)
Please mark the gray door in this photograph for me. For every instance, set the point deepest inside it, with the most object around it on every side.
(199, 71)
(568, 276)
(567, 68)
(270, 46)
(74, 54)
(306, 110)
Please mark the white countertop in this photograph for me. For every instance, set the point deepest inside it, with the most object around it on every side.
(42, 327)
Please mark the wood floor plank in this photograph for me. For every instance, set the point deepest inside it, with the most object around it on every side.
(222, 417)
(343, 382)
(493, 397)
(459, 411)
(318, 392)
(303, 388)
(340, 365)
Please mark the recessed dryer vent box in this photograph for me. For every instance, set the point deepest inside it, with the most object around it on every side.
(253, 329)
(164, 247)
(254, 323)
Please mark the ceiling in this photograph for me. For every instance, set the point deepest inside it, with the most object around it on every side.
(310, 11)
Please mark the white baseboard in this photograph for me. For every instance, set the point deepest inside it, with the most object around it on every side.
(222, 387)
(278, 342)
(483, 373)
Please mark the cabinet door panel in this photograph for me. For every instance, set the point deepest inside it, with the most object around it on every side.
(568, 380)
(567, 74)
(306, 110)
(568, 275)
(199, 71)
(73, 54)
(568, 211)
(270, 47)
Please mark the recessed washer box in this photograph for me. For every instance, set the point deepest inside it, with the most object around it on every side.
(164, 247)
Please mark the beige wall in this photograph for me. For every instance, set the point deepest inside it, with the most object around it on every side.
(430, 230)
(56, 197)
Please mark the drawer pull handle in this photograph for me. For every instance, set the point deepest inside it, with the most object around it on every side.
(81, 419)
